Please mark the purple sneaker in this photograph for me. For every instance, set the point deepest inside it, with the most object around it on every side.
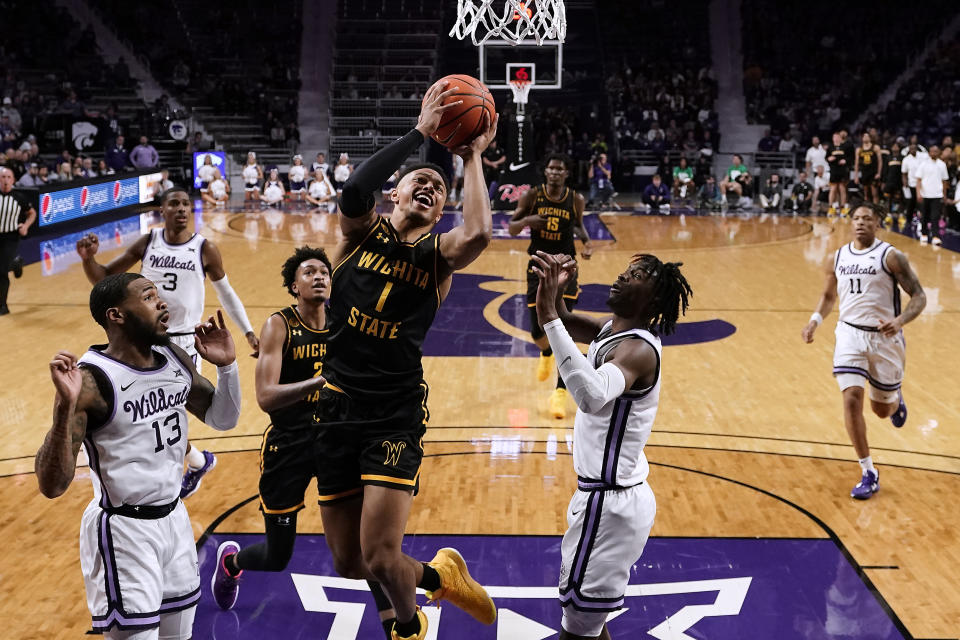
(191, 479)
(224, 586)
(899, 418)
(869, 484)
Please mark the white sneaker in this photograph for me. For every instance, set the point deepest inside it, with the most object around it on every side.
(936, 241)
(923, 239)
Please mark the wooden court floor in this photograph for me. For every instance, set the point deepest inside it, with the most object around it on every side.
(748, 442)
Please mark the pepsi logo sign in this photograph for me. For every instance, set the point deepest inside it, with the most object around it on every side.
(45, 206)
(84, 198)
(116, 191)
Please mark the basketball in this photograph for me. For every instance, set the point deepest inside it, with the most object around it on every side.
(460, 125)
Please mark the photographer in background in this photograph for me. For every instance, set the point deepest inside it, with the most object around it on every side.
(600, 180)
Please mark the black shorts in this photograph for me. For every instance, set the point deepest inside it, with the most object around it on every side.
(287, 464)
(868, 178)
(361, 442)
(533, 282)
(840, 176)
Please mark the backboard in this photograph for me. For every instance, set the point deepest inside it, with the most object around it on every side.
(498, 57)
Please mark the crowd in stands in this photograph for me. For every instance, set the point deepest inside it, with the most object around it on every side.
(855, 54)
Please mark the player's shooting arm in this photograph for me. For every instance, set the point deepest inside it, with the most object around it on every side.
(900, 267)
(88, 246)
(77, 397)
(463, 244)
(272, 395)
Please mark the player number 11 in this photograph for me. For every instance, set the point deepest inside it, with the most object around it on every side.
(855, 289)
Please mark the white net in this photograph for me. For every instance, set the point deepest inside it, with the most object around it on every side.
(520, 91)
(511, 20)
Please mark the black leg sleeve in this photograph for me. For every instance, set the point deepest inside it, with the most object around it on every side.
(275, 553)
(357, 197)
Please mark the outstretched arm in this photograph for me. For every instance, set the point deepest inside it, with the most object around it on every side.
(357, 203)
(827, 298)
(77, 394)
(217, 407)
(87, 248)
(554, 272)
(900, 267)
(213, 265)
(463, 245)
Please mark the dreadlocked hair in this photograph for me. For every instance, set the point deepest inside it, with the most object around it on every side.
(671, 292)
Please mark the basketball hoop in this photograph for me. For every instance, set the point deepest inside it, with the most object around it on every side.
(520, 89)
(547, 20)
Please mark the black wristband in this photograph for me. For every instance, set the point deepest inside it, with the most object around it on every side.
(357, 197)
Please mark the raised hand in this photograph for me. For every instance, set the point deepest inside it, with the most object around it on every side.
(87, 246)
(66, 376)
(214, 342)
(433, 108)
(554, 272)
(479, 144)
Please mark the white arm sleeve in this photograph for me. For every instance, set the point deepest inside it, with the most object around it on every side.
(592, 389)
(231, 304)
(224, 410)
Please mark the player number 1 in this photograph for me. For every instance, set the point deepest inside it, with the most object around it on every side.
(383, 296)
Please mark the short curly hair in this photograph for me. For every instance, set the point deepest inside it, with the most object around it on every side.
(301, 255)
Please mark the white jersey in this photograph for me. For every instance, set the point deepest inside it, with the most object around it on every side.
(136, 457)
(251, 175)
(608, 445)
(297, 173)
(177, 270)
(867, 291)
(206, 172)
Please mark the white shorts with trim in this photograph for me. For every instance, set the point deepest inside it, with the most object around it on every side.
(606, 533)
(134, 569)
(187, 343)
(869, 356)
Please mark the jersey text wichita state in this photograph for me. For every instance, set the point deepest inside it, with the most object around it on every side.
(386, 296)
(557, 236)
(303, 352)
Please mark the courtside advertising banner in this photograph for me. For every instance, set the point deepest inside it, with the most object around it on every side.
(78, 202)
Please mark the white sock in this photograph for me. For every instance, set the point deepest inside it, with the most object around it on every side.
(867, 464)
(195, 458)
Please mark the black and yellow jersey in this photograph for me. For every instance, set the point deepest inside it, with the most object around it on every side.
(385, 296)
(303, 352)
(557, 236)
(868, 159)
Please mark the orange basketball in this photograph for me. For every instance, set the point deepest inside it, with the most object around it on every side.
(468, 116)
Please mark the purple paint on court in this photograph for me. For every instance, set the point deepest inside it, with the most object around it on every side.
(784, 589)
(461, 330)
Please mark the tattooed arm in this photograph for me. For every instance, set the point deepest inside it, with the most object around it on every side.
(78, 397)
(899, 266)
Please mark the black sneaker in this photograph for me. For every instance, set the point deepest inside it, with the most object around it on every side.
(4, 310)
(17, 267)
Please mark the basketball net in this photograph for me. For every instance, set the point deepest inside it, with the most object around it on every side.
(518, 21)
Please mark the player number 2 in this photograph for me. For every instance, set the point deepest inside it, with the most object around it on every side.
(171, 282)
(173, 417)
(855, 288)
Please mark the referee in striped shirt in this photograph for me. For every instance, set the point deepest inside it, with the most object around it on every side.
(16, 216)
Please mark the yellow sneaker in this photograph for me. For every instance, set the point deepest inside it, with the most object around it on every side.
(831, 212)
(545, 367)
(845, 210)
(558, 403)
(417, 636)
(459, 589)
(888, 221)
(902, 222)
